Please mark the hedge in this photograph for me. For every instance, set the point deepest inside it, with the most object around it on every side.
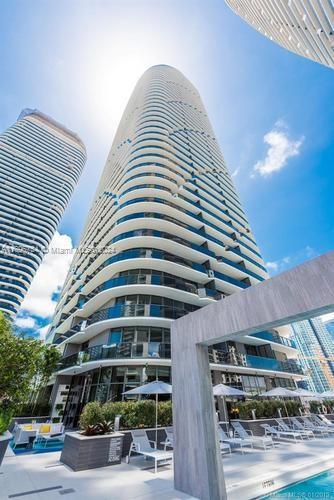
(266, 408)
(134, 414)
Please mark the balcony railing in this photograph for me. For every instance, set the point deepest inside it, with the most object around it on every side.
(153, 279)
(147, 310)
(275, 337)
(156, 350)
(260, 362)
(160, 350)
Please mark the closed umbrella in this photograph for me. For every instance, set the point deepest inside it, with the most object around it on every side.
(225, 390)
(280, 392)
(157, 387)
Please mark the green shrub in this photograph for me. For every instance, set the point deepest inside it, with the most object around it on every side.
(266, 408)
(314, 406)
(165, 414)
(5, 420)
(134, 414)
(91, 415)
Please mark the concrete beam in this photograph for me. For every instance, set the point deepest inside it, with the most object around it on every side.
(300, 293)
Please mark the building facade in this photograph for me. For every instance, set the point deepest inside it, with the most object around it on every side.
(40, 164)
(166, 235)
(316, 353)
(304, 27)
(330, 327)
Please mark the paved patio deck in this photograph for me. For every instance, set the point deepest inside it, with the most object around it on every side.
(249, 475)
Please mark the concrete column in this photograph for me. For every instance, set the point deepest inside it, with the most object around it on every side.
(198, 468)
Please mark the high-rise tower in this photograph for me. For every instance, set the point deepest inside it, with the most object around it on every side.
(304, 27)
(316, 353)
(166, 235)
(40, 164)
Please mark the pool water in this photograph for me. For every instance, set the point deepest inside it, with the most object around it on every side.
(39, 448)
(320, 487)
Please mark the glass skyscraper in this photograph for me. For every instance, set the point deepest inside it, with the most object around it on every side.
(316, 353)
(166, 235)
(40, 164)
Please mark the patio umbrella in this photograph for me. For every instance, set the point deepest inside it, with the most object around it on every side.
(225, 390)
(280, 392)
(304, 393)
(327, 394)
(157, 387)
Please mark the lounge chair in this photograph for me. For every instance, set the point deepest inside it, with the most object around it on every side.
(315, 428)
(322, 420)
(272, 431)
(304, 432)
(224, 438)
(298, 426)
(225, 447)
(142, 445)
(56, 433)
(169, 441)
(241, 432)
(23, 434)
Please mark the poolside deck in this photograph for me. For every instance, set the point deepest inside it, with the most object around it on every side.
(247, 476)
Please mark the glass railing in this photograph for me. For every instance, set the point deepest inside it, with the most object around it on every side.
(290, 366)
(152, 254)
(150, 279)
(234, 357)
(275, 337)
(231, 280)
(161, 234)
(159, 350)
(146, 310)
(155, 350)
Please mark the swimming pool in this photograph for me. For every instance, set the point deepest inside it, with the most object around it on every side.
(320, 487)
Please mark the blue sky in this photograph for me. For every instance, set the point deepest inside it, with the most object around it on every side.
(78, 61)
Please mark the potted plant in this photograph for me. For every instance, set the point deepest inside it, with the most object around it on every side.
(6, 414)
(95, 445)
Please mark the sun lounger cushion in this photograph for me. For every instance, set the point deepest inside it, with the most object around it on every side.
(45, 428)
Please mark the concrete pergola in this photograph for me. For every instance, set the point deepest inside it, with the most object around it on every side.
(300, 293)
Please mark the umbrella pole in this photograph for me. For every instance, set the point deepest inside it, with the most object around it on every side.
(286, 411)
(156, 421)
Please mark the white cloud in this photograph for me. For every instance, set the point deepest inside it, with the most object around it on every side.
(235, 172)
(49, 277)
(280, 149)
(25, 322)
(280, 265)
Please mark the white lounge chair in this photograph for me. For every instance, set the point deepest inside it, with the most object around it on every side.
(142, 445)
(225, 447)
(169, 441)
(322, 420)
(224, 438)
(57, 433)
(240, 431)
(324, 431)
(298, 426)
(272, 431)
(22, 435)
(303, 432)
